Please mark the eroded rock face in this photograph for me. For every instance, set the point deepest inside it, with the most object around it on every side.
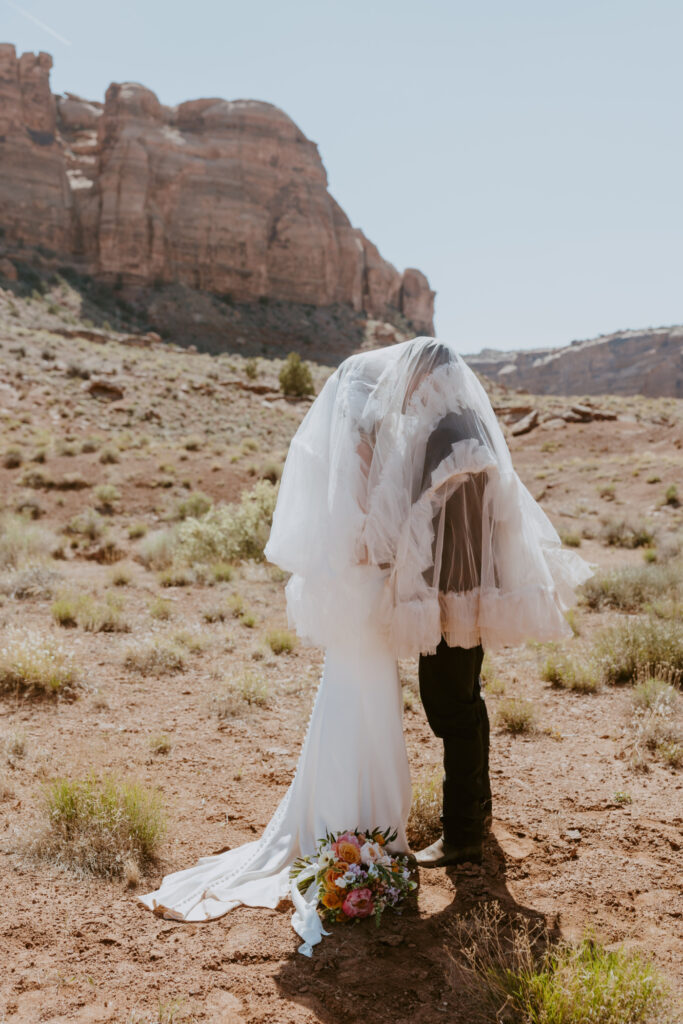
(228, 197)
(648, 362)
(35, 199)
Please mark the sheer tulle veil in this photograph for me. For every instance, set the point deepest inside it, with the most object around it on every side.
(401, 464)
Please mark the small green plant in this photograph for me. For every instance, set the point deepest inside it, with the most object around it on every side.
(622, 798)
(516, 715)
(88, 523)
(176, 576)
(251, 368)
(570, 538)
(280, 641)
(157, 550)
(137, 530)
(230, 532)
(120, 576)
(222, 572)
(97, 826)
(295, 376)
(631, 587)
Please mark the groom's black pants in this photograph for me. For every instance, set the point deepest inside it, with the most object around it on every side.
(450, 690)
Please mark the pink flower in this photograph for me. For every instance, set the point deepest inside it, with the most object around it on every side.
(358, 903)
(346, 837)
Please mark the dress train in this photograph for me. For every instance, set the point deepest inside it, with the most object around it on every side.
(352, 773)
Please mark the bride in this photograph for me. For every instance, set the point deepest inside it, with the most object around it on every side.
(364, 525)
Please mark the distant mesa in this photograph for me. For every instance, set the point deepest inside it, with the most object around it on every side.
(224, 197)
(646, 362)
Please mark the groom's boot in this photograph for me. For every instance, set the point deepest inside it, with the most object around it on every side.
(451, 695)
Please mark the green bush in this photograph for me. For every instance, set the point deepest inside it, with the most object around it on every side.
(569, 673)
(295, 376)
(230, 532)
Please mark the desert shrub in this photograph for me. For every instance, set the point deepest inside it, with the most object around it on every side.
(120, 576)
(633, 646)
(35, 581)
(570, 538)
(176, 576)
(37, 664)
(22, 542)
(160, 608)
(424, 821)
(192, 640)
(251, 368)
(88, 523)
(516, 715)
(97, 826)
(623, 534)
(71, 609)
(650, 690)
(631, 587)
(671, 496)
(570, 673)
(656, 727)
(158, 549)
(222, 572)
(109, 455)
(107, 496)
(271, 471)
(193, 443)
(295, 376)
(154, 657)
(247, 688)
(195, 505)
(508, 969)
(12, 457)
(280, 641)
(137, 530)
(230, 532)
(160, 743)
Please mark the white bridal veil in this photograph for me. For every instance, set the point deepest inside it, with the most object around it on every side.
(399, 472)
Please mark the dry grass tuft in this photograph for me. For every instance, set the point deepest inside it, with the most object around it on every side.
(516, 715)
(569, 673)
(633, 646)
(154, 657)
(246, 689)
(100, 826)
(36, 664)
(424, 821)
(280, 641)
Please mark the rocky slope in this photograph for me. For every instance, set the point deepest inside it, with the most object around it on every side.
(647, 362)
(224, 197)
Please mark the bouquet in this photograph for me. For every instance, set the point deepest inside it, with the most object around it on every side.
(355, 875)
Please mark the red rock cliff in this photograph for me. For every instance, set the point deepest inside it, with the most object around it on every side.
(222, 196)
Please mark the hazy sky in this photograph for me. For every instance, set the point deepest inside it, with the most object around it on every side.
(526, 155)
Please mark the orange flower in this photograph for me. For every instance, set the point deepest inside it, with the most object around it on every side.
(348, 852)
(332, 874)
(331, 900)
(380, 840)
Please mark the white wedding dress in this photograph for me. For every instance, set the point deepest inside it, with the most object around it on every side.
(352, 772)
(401, 520)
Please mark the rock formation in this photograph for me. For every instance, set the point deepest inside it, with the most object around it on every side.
(226, 197)
(647, 362)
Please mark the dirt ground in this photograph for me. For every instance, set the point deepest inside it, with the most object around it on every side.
(566, 846)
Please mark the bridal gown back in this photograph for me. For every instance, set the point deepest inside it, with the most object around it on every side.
(352, 772)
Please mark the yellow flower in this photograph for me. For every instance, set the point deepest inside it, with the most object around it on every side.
(348, 852)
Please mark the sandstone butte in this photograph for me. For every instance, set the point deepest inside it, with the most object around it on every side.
(226, 197)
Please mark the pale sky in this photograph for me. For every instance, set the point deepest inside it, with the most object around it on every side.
(527, 155)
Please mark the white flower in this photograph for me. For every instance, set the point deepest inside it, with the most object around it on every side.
(373, 853)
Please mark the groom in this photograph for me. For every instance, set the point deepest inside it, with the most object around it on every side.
(450, 686)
